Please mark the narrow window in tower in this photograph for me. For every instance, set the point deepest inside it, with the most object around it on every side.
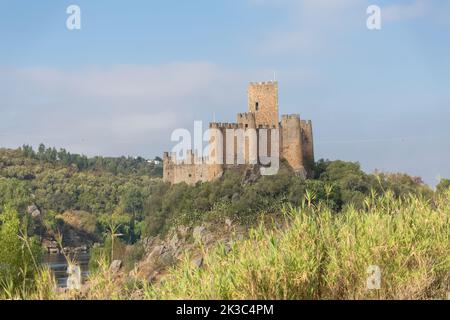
(257, 106)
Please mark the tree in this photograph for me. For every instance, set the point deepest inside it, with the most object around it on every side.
(41, 151)
(443, 186)
(19, 255)
(28, 151)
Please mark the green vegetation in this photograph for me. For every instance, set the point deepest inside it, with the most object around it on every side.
(56, 187)
(321, 255)
(443, 186)
(335, 226)
(313, 254)
(65, 191)
(19, 254)
(122, 165)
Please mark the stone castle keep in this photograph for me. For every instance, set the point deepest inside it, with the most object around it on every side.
(290, 139)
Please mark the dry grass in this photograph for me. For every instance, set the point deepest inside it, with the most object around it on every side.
(322, 255)
(315, 254)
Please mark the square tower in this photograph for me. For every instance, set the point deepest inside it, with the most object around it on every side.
(263, 102)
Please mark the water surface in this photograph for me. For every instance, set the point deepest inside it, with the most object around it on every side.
(58, 264)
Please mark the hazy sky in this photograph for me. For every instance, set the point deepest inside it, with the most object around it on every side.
(139, 69)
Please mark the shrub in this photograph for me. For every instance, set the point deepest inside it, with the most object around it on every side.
(19, 254)
(321, 255)
(443, 186)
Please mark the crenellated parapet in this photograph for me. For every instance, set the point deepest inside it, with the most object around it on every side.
(247, 119)
(287, 117)
(229, 143)
(190, 158)
(263, 102)
(263, 83)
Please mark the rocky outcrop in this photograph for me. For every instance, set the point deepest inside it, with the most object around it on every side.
(181, 242)
(251, 175)
(115, 266)
(34, 211)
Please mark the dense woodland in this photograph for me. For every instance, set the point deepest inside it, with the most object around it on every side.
(96, 195)
(130, 191)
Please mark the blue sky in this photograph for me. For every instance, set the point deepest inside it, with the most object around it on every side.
(139, 69)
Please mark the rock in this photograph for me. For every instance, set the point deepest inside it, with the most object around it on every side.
(198, 262)
(82, 249)
(228, 223)
(152, 278)
(174, 241)
(74, 279)
(53, 250)
(227, 248)
(133, 273)
(178, 251)
(167, 259)
(115, 266)
(301, 173)
(198, 233)
(208, 238)
(149, 243)
(155, 253)
(251, 175)
(34, 211)
(183, 231)
(85, 288)
(235, 198)
(32, 208)
(35, 214)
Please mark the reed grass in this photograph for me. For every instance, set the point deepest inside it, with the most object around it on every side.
(313, 253)
(324, 255)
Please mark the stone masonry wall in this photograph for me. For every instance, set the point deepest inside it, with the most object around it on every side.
(296, 140)
(307, 144)
(291, 142)
(263, 102)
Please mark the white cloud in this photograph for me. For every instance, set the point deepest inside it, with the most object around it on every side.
(112, 110)
(312, 26)
(128, 109)
(318, 27)
(407, 11)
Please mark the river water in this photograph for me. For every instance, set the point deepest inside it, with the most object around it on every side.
(58, 264)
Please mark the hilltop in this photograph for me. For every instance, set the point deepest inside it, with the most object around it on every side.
(67, 191)
(160, 225)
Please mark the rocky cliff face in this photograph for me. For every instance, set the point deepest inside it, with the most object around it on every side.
(181, 242)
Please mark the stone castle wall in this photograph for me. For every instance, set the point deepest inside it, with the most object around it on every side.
(295, 141)
(263, 102)
(190, 170)
(307, 143)
(291, 142)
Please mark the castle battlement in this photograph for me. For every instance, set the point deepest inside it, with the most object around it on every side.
(263, 83)
(246, 116)
(290, 116)
(296, 140)
(191, 158)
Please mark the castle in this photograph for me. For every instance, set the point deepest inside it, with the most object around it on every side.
(257, 132)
